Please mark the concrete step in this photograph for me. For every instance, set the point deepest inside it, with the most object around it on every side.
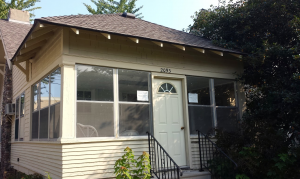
(195, 174)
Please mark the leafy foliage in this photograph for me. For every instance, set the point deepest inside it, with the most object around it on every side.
(111, 7)
(19, 175)
(268, 31)
(129, 168)
(26, 5)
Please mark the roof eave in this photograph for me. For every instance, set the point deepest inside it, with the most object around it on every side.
(37, 21)
(144, 38)
(25, 39)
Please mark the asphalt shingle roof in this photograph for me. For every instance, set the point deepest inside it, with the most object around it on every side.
(116, 23)
(12, 34)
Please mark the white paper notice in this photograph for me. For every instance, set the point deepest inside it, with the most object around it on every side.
(142, 96)
(193, 97)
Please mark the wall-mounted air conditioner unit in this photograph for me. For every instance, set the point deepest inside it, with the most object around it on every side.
(10, 109)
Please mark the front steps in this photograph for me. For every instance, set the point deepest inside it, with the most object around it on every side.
(193, 174)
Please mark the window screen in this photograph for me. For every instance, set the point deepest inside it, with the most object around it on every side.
(46, 94)
(96, 102)
(94, 83)
(211, 104)
(133, 107)
(95, 113)
(199, 104)
(130, 82)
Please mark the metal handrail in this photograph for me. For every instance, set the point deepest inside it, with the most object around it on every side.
(162, 164)
(210, 152)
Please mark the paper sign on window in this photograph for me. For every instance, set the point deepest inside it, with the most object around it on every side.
(142, 96)
(193, 97)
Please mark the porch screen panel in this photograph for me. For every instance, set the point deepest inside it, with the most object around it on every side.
(55, 99)
(133, 109)
(199, 104)
(134, 119)
(227, 119)
(224, 92)
(54, 121)
(95, 113)
(200, 119)
(95, 119)
(35, 125)
(226, 109)
(130, 82)
(44, 108)
(45, 122)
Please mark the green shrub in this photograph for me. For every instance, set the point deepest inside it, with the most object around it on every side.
(129, 168)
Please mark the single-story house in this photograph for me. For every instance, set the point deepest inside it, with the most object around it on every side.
(87, 86)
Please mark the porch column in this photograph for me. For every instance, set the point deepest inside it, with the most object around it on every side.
(68, 101)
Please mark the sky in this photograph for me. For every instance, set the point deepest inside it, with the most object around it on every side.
(175, 14)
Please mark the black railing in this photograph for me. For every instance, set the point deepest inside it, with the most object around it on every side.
(212, 158)
(162, 165)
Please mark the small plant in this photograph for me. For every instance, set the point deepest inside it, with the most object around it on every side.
(129, 168)
(48, 175)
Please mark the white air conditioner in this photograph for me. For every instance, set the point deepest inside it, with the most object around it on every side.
(10, 109)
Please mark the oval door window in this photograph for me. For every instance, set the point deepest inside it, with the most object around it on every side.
(166, 88)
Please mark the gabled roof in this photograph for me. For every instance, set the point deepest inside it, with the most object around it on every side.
(12, 35)
(117, 24)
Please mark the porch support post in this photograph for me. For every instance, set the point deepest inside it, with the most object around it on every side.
(67, 112)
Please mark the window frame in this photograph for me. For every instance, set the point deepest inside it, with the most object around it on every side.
(18, 98)
(213, 101)
(39, 107)
(130, 102)
(17, 117)
(115, 103)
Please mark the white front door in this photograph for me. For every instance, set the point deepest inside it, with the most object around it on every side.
(168, 118)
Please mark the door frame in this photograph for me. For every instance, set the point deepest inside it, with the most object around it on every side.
(187, 139)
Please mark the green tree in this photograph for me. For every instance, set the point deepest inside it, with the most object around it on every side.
(26, 5)
(111, 6)
(268, 31)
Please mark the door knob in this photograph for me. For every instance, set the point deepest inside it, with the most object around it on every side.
(182, 128)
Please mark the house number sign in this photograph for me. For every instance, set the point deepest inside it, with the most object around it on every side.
(165, 70)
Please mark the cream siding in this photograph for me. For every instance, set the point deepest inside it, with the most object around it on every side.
(78, 158)
(36, 157)
(19, 80)
(97, 159)
(122, 52)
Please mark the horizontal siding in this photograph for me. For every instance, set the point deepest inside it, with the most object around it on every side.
(96, 160)
(19, 79)
(35, 157)
(45, 60)
(39, 158)
(121, 49)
